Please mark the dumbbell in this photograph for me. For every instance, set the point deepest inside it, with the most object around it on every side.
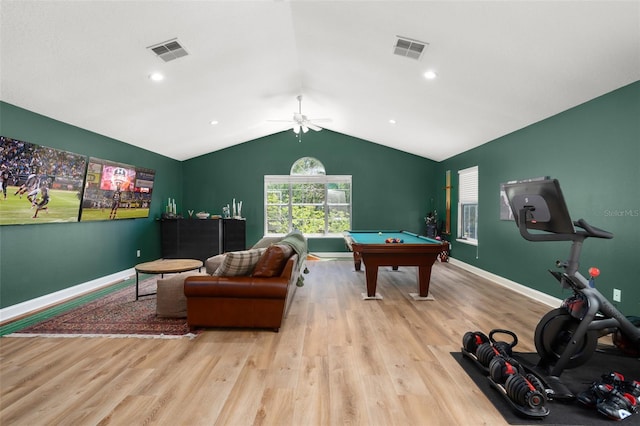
(501, 367)
(472, 339)
(525, 390)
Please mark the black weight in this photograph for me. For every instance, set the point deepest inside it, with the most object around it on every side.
(535, 381)
(514, 386)
(485, 353)
(472, 339)
(523, 392)
(500, 368)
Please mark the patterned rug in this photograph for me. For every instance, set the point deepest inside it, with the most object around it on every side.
(117, 314)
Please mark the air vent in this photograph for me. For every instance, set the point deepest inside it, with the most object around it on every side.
(169, 50)
(409, 48)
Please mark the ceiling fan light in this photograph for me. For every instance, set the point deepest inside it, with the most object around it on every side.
(296, 128)
(305, 129)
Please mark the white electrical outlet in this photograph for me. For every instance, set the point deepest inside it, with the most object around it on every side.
(617, 295)
(138, 253)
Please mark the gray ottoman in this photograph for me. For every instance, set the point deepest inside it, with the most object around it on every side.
(171, 301)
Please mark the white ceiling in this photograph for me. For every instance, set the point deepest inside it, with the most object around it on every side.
(501, 66)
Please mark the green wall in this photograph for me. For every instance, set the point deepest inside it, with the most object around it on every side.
(594, 151)
(391, 189)
(36, 260)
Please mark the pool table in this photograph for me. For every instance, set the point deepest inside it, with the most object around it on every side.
(414, 250)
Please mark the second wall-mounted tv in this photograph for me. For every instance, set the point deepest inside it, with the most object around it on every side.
(116, 191)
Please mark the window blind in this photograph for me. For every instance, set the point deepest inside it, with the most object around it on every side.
(468, 185)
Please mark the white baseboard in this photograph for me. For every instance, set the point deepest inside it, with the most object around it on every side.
(39, 303)
(333, 254)
(512, 285)
(42, 302)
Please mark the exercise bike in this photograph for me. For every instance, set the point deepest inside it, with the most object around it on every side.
(566, 337)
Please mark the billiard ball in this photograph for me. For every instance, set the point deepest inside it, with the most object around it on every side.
(379, 233)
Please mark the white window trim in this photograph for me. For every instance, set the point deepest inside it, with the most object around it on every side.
(468, 184)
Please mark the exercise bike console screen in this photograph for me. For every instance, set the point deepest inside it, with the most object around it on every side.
(545, 205)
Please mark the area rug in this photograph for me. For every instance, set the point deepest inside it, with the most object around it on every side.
(118, 314)
(577, 380)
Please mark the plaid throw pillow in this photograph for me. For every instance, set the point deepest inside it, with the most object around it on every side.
(238, 263)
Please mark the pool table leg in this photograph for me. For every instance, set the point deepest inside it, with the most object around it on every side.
(424, 278)
(357, 260)
(372, 281)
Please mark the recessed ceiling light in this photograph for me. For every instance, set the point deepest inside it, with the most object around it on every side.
(214, 122)
(392, 121)
(430, 75)
(156, 76)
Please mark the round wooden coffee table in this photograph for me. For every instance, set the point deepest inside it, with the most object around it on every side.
(166, 266)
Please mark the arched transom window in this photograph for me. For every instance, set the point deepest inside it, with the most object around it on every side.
(307, 166)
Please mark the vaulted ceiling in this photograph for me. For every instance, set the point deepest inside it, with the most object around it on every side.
(500, 66)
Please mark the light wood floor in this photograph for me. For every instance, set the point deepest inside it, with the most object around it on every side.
(337, 360)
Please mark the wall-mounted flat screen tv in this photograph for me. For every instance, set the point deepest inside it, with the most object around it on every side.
(115, 190)
(39, 184)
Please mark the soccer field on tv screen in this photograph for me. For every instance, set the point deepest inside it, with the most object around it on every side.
(15, 209)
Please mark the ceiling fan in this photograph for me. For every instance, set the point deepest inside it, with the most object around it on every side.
(301, 123)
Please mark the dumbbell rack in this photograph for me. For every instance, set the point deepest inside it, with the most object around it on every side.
(537, 412)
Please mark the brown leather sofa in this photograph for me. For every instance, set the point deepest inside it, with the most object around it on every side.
(257, 301)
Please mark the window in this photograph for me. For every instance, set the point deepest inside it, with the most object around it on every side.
(468, 205)
(307, 200)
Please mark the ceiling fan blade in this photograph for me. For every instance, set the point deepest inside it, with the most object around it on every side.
(301, 123)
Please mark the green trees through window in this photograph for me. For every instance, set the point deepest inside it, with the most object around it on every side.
(307, 200)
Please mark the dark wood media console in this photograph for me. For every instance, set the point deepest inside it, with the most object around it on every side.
(201, 238)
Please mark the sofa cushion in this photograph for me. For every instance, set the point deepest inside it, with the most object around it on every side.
(272, 261)
(238, 263)
(213, 263)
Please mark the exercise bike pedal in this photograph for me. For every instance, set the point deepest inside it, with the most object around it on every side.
(557, 390)
(554, 388)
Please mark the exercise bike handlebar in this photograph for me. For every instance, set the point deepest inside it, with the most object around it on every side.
(592, 231)
(589, 231)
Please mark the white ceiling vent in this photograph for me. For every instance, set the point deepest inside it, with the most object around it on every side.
(409, 48)
(169, 50)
